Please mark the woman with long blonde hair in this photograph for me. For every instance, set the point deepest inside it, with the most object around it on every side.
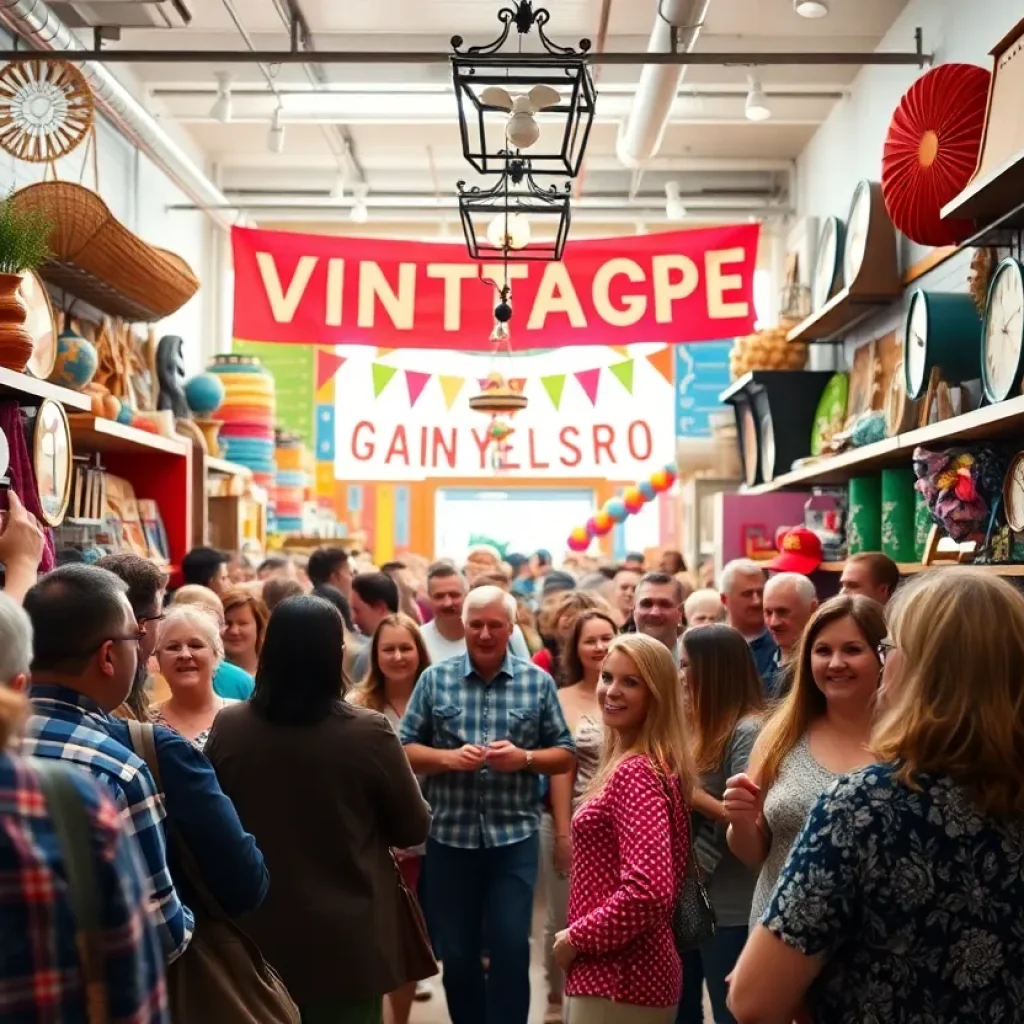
(631, 837)
(901, 900)
(726, 704)
(819, 731)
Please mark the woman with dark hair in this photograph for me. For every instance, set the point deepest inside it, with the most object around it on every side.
(558, 614)
(326, 789)
(726, 700)
(820, 731)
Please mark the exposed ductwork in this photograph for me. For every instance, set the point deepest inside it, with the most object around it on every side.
(37, 25)
(676, 28)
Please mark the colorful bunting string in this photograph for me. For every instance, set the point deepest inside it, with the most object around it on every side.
(589, 380)
(554, 385)
(450, 388)
(381, 377)
(415, 382)
(623, 373)
(662, 361)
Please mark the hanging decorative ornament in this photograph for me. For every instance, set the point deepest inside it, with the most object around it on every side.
(931, 151)
(616, 509)
(647, 490)
(46, 109)
(602, 522)
(591, 527)
(579, 539)
(633, 499)
(660, 480)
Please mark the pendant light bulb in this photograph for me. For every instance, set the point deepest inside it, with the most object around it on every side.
(221, 109)
(275, 137)
(509, 231)
(811, 8)
(756, 107)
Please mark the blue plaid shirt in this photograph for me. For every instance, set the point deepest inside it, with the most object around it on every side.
(70, 726)
(40, 976)
(452, 706)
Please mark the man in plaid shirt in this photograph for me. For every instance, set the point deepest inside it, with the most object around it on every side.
(40, 977)
(86, 652)
(482, 728)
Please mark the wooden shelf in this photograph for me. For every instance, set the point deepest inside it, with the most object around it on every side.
(910, 568)
(96, 434)
(841, 313)
(991, 422)
(222, 467)
(23, 386)
(992, 201)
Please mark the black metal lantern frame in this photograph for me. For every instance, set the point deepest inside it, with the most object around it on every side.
(515, 192)
(482, 126)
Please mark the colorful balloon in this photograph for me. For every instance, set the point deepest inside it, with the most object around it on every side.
(660, 481)
(633, 500)
(603, 522)
(616, 509)
(591, 527)
(646, 490)
(579, 539)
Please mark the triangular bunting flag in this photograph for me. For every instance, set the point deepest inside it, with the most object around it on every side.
(327, 365)
(415, 382)
(450, 388)
(381, 377)
(624, 374)
(554, 385)
(588, 381)
(662, 361)
(381, 352)
(622, 350)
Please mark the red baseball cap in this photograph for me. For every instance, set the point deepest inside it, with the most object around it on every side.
(799, 551)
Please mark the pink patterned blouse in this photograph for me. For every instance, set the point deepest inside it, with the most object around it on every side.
(629, 856)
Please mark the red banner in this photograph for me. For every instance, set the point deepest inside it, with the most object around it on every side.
(679, 286)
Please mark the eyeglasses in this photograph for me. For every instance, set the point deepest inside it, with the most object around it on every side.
(128, 638)
(145, 620)
(885, 648)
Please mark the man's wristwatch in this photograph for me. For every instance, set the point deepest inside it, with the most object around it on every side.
(529, 760)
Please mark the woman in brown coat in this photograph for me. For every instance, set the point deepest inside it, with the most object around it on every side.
(327, 791)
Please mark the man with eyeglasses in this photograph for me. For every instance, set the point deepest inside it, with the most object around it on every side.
(85, 656)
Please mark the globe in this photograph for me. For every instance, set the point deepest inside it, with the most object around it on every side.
(204, 394)
(76, 361)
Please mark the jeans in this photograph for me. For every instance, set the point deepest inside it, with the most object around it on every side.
(483, 899)
(556, 897)
(712, 963)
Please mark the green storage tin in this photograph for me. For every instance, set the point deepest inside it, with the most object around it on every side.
(898, 534)
(864, 519)
(922, 526)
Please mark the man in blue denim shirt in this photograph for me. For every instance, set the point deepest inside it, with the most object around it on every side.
(742, 589)
(481, 728)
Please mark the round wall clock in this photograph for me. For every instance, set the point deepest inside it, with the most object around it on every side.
(857, 225)
(41, 324)
(1002, 338)
(750, 446)
(1013, 494)
(943, 330)
(826, 261)
(51, 460)
(767, 434)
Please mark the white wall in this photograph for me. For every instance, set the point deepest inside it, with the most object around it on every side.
(138, 194)
(847, 148)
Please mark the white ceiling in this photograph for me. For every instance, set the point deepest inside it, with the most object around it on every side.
(404, 144)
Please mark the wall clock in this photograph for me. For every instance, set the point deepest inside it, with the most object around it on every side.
(1002, 339)
(51, 460)
(41, 324)
(769, 456)
(826, 261)
(942, 331)
(1013, 494)
(857, 224)
(749, 445)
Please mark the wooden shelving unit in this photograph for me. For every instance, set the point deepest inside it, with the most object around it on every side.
(990, 423)
(31, 391)
(96, 434)
(840, 314)
(221, 467)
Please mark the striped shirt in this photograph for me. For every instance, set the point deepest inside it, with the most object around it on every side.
(70, 726)
(453, 705)
(40, 973)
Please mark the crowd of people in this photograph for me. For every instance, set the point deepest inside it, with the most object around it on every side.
(365, 776)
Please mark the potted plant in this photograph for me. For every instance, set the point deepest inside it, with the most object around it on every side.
(24, 236)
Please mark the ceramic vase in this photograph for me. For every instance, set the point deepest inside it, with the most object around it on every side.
(15, 340)
(210, 429)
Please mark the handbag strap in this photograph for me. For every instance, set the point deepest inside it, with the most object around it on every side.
(143, 737)
(74, 836)
(692, 863)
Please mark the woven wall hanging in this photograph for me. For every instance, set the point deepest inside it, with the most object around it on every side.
(931, 151)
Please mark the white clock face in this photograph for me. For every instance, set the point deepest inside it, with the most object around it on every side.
(1013, 492)
(915, 353)
(825, 263)
(767, 447)
(1004, 332)
(749, 446)
(856, 234)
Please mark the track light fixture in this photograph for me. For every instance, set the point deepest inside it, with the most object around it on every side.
(221, 109)
(275, 137)
(360, 214)
(674, 208)
(757, 108)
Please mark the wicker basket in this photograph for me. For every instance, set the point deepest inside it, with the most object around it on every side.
(98, 260)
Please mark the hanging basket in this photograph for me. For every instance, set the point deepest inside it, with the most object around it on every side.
(931, 151)
(97, 259)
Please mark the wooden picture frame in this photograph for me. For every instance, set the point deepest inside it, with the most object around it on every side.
(52, 462)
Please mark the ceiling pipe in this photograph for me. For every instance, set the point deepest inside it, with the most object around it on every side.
(37, 25)
(676, 29)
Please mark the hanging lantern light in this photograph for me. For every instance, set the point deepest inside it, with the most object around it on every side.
(516, 214)
(543, 101)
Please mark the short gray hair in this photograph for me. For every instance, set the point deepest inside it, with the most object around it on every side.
(481, 597)
(739, 567)
(201, 619)
(700, 597)
(802, 586)
(15, 640)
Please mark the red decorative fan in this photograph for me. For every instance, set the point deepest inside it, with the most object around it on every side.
(932, 149)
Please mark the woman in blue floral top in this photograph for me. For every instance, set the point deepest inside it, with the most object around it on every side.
(903, 899)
